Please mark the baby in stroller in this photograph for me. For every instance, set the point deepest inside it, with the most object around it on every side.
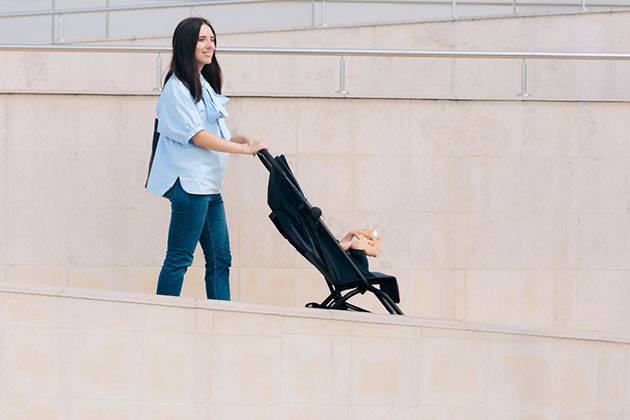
(360, 243)
(366, 240)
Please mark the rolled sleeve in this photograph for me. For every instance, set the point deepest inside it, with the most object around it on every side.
(178, 117)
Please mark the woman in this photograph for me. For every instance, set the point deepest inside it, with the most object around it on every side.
(190, 160)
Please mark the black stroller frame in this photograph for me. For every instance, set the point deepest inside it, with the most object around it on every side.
(340, 292)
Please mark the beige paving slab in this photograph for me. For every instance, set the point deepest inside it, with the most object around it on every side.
(436, 293)
(454, 371)
(378, 376)
(309, 326)
(90, 314)
(176, 367)
(550, 241)
(110, 229)
(99, 277)
(32, 408)
(543, 297)
(164, 411)
(106, 364)
(519, 414)
(53, 275)
(522, 375)
(166, 318)
(96, 179)
(244, 412)
(589, 292)
(492, 184)
(382, 413)
(315, 369)
(230, 323)
(364, 329)
(443, 412)
(313, 411)
(141, 227)
(591, 377)
(493, 297)
(258, 379)
(89, 409)
(37, 236)
(141, 279)
(550, 185)
(267, 286)
(37, 310)
(52, 178)
(602, 188)
(488, 240)
(36, 360)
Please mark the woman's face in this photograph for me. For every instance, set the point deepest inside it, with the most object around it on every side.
(205, 46)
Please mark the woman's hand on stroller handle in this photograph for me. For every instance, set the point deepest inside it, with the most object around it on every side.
(254, 146)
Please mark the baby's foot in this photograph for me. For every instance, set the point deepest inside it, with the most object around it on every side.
(373, 248)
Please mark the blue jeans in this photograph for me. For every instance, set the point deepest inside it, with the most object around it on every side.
(196, 218)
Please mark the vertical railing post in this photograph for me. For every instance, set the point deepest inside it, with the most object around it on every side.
(313, 22)
(513, 7)
(342, 77)
(454, 9)
(584, 5)
(324, 10)
(158, 73)
(52, 24)
(107, 20)
(523, 93)
(60, 26)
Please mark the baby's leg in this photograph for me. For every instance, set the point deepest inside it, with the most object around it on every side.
(372, 248)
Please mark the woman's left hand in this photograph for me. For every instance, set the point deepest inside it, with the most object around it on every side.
(255, 146)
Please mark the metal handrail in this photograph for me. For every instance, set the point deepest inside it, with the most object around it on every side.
(334, 52)
(342, 53)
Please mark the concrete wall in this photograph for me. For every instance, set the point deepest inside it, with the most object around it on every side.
(426, 78)
(319, 76)
(586, 32)
(235, 18)
(142, 23)
(514, 213)
(68, 354)
(370, 77)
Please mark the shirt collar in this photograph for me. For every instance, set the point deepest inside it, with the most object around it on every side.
(218, 100)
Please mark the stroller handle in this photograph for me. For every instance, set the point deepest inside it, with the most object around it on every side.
(266, 158)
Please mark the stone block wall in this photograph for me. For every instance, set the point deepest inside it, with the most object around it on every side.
(72, 354)
(384, 77)
(511, 213)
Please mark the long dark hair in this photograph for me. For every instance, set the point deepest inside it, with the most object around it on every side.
(183, 64)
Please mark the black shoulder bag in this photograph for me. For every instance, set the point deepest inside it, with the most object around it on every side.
(156, 137)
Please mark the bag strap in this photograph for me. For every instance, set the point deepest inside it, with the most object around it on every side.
(156, 137)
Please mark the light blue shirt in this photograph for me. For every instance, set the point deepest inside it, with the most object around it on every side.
(200, 171)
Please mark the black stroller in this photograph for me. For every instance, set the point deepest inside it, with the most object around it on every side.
(301, 224)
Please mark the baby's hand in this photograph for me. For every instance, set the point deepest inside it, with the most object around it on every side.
(374, 241)
(369, 234)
